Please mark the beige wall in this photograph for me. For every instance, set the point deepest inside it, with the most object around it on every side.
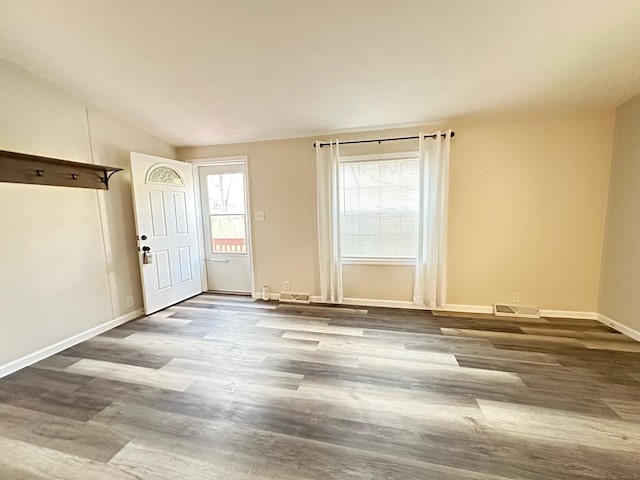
(620, 286)
(388, 282)
(282, 184)
(528, 200)
(54, 276)
(112, 141)
(527, 210)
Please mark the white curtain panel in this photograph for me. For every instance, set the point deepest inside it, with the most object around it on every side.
(327, 160)
(430, 287)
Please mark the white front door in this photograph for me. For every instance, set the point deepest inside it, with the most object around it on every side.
(226, 239)
(164, 205)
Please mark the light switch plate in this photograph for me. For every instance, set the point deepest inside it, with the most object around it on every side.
(259, 215)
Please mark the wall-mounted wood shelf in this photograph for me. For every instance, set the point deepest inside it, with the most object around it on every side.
(24, 168)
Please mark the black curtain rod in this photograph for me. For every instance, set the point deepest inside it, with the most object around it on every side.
(380, 140)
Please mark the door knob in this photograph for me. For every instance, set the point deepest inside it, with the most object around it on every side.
(146, 249)
(143, 237)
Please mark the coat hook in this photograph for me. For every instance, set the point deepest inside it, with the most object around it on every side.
(40, 172)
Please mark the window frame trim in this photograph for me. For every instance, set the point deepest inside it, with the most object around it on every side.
(380, 157)
(351, 260)
(393, 261)
(226, 168)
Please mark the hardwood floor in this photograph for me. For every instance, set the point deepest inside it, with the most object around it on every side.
(228, 388)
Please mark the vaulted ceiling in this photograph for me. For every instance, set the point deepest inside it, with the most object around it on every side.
(197, 72)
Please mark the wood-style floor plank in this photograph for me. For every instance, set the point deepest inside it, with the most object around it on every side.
(27, 461)
(530, 422)
(626, 409)
(142, 460)
(130, 373)
(59, 433)
(231, 388)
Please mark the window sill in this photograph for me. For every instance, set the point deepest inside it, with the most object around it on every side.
(378, 261)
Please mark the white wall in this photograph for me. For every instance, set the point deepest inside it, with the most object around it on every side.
(527, 211)
(54, 275)
(620, 286)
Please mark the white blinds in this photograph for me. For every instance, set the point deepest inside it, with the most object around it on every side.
(379, 208)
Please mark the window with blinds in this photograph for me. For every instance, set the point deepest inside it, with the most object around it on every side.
(379, 209)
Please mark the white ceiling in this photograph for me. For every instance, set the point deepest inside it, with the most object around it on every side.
(197, 72)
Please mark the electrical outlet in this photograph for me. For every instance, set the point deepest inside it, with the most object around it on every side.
(129, 301)
(285, 285)
(516, 297)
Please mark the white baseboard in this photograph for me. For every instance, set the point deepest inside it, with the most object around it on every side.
(630, 332)
(488, 309)
(569, 314)
(272, 296)
(34, 357)
(369, 302)
(458, 308)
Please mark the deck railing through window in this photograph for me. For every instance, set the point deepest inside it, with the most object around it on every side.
(229, 245)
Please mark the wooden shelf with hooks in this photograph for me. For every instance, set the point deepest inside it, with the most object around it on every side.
(34, 169)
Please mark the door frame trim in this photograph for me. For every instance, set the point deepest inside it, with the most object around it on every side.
(213, 162)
